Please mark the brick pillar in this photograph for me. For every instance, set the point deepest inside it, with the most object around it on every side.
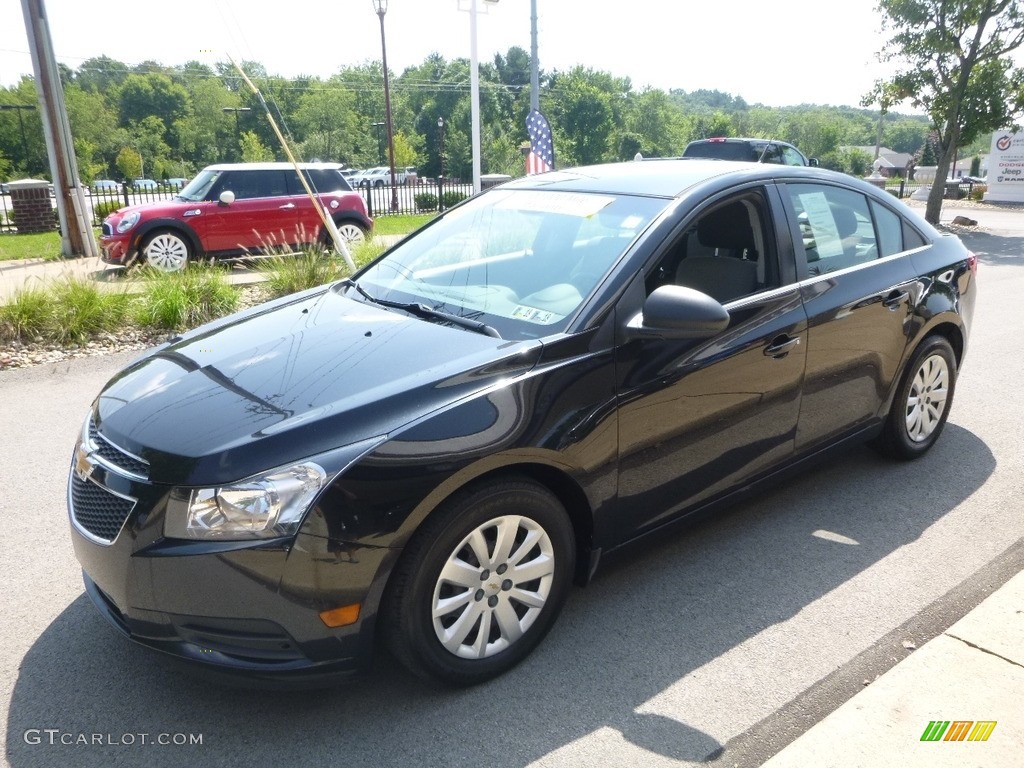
(33, 206)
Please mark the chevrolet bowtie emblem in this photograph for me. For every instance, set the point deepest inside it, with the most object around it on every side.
(83, 465)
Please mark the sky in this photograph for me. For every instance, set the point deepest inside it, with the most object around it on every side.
(778, 54)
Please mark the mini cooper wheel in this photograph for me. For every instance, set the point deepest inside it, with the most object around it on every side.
(350, 232)
(166, 250)
(922, 402)
(481, 583)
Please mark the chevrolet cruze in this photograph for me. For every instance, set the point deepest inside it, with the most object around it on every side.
(426, 456)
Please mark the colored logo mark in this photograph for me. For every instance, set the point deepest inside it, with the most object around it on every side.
(958, 730)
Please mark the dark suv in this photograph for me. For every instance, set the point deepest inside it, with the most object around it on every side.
(234, 210)
(748, 150)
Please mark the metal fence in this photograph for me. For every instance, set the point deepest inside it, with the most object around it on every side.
(955, 190)
(425, 196)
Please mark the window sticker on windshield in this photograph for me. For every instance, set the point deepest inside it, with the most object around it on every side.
(534, 315)
(823, 224)
(564, 203)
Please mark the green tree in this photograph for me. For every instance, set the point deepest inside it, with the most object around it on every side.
(129, 163)
(584, 113)
(954, 64)
(254, 150)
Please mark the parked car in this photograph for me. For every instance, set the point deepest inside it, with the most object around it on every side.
(105, 185)
(176, 183)
(381, 177)
(232, 210)
(372, 177)
(750, 150)
(427, 455)
(147, 184)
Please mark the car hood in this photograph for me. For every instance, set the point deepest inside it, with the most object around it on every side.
(291, 380)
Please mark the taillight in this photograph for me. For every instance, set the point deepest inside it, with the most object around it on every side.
(972, 262)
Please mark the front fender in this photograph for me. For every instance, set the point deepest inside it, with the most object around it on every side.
(140, 233)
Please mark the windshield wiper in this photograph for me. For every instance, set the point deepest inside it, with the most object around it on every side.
(429, 313)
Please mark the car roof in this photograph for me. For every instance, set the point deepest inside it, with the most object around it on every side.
(738, 139)
(276, 166)
(670, 177)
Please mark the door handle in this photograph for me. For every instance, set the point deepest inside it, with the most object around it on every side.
(781, 346)
(894, 299)
(286, 205)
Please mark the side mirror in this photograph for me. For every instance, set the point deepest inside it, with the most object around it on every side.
(813, 162)
(227, 197)
(677, 312)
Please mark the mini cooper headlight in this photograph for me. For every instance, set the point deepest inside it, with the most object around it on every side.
(129, 221)
(263, 507)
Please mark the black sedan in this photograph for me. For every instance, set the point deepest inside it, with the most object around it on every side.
(427, 455)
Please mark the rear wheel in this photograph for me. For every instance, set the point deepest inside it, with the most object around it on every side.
(481, 583)
(350, 232)
(922, 402)
(166, 250)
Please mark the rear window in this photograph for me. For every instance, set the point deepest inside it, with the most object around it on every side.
(722, 150)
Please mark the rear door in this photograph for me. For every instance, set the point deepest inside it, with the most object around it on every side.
(859, 293)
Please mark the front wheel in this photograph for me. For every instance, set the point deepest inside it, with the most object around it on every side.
(481, 583)
(922, 402)
(166, 250)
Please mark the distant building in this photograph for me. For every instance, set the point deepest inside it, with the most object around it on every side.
(890, 163)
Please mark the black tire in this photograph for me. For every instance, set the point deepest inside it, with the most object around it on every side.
(922, 402)
(378, 184)
(490, 595)
(167, 250)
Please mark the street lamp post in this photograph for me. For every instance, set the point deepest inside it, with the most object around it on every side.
(238, 133)
(440, 160)
(474, 87)
(381, 7)
(21, 124)
(380, 143)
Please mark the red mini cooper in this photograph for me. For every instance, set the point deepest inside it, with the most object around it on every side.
(233, 210)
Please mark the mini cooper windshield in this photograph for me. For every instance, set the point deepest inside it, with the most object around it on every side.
(521, 262)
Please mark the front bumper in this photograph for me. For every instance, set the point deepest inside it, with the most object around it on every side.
(116, 249)
(241, 609)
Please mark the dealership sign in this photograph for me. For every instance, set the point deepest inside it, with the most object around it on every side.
(1006, 168)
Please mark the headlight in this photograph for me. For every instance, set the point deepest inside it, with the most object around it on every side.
(264, 507)
(129, 221)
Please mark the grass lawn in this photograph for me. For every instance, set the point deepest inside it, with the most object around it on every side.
(400, 224)
(44, 245)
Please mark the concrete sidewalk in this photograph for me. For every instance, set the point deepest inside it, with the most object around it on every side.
(972, 673)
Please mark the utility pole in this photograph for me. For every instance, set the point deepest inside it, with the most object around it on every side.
(76, 230)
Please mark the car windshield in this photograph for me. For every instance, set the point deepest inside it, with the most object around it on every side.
(198, 188)
(520, 261)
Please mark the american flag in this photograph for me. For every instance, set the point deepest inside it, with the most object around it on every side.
(542, 150)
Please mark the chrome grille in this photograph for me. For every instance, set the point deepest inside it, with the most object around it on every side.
(96, 510)
(114, 456)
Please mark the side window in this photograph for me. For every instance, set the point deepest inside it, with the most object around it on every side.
(791, 157)
(835, 226)
(774, 155)
(890, 230)
(726, 252)
(252, 184)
